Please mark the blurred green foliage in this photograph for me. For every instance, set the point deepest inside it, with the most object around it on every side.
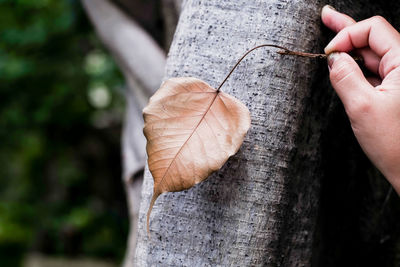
(60, 110)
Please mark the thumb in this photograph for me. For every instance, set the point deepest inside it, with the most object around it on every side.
(347, 78)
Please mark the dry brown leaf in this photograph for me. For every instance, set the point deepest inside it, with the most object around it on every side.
(191, 131)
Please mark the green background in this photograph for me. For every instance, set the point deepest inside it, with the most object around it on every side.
(60, 172)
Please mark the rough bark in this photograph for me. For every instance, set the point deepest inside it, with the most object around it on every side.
(260, 208)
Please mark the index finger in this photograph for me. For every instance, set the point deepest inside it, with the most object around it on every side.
(374, 32)
(335, 20)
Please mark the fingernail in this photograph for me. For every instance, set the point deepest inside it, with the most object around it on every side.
(329, 48)
(327, 9)
(332, 57)
(331, 7)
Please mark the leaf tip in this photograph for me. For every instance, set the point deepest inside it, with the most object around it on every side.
(153, 200)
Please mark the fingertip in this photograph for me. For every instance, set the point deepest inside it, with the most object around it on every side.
(348, 81)
(335, 20)
(341, 42)
(325, 15)
(341, 60)
(332, 57)
(330, 48)
(326, 10)
(345, 75)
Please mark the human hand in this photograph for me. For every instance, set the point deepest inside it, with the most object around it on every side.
(373, 103)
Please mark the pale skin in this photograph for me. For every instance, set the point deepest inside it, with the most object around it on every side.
(372, 104)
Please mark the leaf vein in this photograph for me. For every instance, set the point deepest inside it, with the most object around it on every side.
(194, 130)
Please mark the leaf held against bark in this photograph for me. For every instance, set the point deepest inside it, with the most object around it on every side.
(191, 131)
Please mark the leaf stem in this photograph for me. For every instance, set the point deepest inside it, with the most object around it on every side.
(283, 51)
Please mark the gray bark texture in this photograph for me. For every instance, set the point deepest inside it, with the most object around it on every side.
(260, 208)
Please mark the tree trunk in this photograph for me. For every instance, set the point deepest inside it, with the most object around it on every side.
(260, 208)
